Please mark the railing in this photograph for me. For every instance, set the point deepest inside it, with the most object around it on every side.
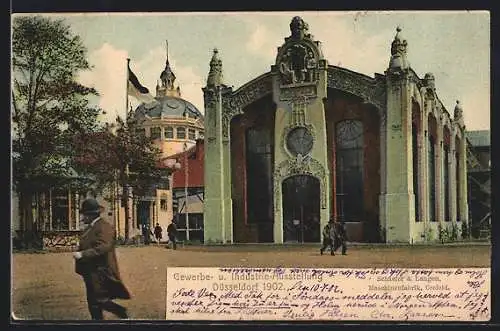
(60, 240)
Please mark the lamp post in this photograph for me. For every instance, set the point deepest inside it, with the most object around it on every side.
(186, 174)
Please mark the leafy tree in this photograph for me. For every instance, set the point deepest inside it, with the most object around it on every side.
(121, 152)
(49, 106)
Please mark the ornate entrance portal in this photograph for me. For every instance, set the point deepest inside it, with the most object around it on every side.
(301, 209)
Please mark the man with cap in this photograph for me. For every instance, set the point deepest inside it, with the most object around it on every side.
(96, 262)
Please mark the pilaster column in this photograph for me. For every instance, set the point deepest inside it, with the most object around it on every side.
(383, 174)
(439, 172)
(464, 213)
(227, 201)
(133, 217)
(398, 198)
(423, 137)
(77, 211)
(453, 178)
(214, 215)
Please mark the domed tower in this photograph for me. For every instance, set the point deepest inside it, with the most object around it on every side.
(173, 122)
(167, 78)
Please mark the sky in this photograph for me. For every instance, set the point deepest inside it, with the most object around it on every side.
(453, 45)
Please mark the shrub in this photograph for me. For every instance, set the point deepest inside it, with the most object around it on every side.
(428, 233)
(454, 231)
(465, 230)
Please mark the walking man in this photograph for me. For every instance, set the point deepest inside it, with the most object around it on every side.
(96, 262)
(146, 233)
(328, 238)
(172, 233)
(340, 235)
(158, 232)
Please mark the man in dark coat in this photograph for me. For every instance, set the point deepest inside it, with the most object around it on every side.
(328, 238)
(340, 236)
(96, 262)
(172, 233)
(146, 233)
(158, 232)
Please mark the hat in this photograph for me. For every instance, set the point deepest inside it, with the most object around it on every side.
(91, 206)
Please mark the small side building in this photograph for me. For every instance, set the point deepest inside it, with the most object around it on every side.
(479, 182)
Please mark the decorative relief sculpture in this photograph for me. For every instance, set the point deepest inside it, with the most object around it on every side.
(286, 69)
(297, 93)
(298, 65)
(233, 103)
(311, 65)
(371, 90)
(299, 165)
(398, 52)
(215, 74)
(292, 146)
(298, 59)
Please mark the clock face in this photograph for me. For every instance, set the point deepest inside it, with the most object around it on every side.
(299, 141)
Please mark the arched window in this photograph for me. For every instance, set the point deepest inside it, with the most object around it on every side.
(181, 133)
(259, 175)
(457, 178)
(416, 179)
(349, 173)
(169, 132)
(432, 179)
(446, 184)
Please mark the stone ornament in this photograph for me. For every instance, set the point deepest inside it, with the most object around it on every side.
(371, 90)
(298, 65)
(299, 165)
(398, 52)
(233, 103)
(298, 59)
(286, 135)
(299, 141)
(215, 74)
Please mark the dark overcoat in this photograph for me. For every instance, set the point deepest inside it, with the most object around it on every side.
(98, 265)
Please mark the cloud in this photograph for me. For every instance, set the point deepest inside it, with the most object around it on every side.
(476, 109)
(262, 41)
(148, 70)
(108, 76)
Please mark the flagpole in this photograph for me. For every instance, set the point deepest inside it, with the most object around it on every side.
(126, 91)
(128, 223)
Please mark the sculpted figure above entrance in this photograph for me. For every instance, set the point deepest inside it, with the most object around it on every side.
(299, 58)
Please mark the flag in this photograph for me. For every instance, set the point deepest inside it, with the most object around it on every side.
(136, 90)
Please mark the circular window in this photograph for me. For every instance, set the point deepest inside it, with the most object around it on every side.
(299, 141)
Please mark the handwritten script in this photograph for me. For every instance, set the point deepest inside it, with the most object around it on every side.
(328, 294)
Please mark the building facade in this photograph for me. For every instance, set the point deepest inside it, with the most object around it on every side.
(307, 141)
(175, 125)
(188, 193)
(479, 182)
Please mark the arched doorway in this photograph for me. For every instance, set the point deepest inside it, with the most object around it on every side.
(301, 209)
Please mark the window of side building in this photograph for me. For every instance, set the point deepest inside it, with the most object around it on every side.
(181, 133)
(156, 133)
(191, 134)
(169, 132)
